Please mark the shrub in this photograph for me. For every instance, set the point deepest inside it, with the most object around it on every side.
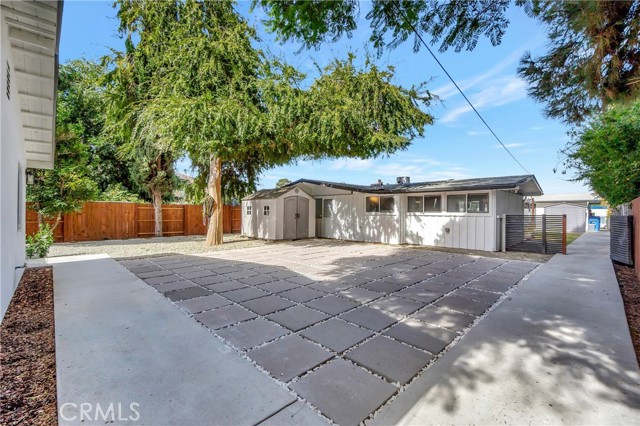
(39, 243)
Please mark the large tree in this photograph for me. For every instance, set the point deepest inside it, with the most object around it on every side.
(594, 46)
(608, 153)
(211, 93)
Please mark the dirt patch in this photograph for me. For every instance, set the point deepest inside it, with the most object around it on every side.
(630, 290)
(510, 255)
(28, 356)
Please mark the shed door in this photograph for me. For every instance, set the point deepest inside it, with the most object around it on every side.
(296, 218)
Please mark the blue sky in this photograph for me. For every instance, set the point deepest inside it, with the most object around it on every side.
(456, 146)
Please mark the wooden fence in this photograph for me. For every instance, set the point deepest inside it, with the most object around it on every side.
(120, 221)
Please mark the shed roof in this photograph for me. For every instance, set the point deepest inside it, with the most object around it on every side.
(567, 198)
(526, 185)
(264, 194)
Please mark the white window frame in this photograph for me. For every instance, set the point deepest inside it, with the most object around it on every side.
(323, 200)
(444, 202)
(265, 210)
(249, 209)
(379, 212)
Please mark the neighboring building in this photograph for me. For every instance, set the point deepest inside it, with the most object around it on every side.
(452, 213)
(577, 207)
(29, 70)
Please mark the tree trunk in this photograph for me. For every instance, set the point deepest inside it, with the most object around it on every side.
(58, 219)
(156, 194)
(214, 189)
(40, 220)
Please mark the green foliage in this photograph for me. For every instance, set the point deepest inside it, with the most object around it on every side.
(195, 83)
(38, 245)
(593, 57)
(117, 192)
(607, 154)
(282, 182)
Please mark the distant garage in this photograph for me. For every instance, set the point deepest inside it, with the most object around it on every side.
(577, 208)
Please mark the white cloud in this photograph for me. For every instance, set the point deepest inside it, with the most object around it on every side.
(502, 91)
(477, 132)
(354, 164)
(511, 145)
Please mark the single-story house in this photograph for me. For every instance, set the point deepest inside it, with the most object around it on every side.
(462, 213)
(29, 61)
(577, 207)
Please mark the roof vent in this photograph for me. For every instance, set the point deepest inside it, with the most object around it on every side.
(403, 180)
(378, 183)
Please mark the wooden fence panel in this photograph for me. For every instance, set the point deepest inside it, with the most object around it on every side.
(114, 220)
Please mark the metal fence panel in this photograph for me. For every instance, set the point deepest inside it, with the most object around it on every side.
(621, 239)
(535, 233)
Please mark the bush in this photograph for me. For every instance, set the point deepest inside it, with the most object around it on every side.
(38, 244)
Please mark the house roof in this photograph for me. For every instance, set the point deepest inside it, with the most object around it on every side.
(34, 34)
(567, 198)
(264, 194)
(526, 185)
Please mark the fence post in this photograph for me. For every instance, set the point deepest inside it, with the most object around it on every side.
(564, 234)
(544, 234)
(136, 220)
(504, 233)
(184, 220)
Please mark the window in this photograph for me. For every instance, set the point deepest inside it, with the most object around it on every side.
(478, 203)
(380, 204)
(248, 209)
(386, 204)
(469, 203)
(433, 203)
(373, 204)
(415, 204)
(318, 208)
(265, 210)
(456, 203)
(328, 208)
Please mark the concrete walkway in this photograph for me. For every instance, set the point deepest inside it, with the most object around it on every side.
(122, 347)
(557, 352)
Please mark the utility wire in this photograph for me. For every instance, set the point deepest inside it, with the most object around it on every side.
(415, 31)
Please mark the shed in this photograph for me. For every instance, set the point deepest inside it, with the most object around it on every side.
(577, 207)
(461, 213)
(278, 214)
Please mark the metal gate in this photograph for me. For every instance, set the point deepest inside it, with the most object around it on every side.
(621, 239)
(545, 234)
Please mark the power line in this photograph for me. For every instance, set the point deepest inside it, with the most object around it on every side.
(415, 31)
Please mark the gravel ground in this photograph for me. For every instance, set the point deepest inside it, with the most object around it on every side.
(139, 247)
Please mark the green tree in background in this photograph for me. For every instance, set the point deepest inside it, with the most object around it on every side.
(608, 153)
(204, 89)
(282, 182)
(64, 189)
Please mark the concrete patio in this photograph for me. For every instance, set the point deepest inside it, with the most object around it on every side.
(315, 331)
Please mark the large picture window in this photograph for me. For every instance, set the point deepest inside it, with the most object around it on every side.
(415, 204)
(468, 203)
(376, 204)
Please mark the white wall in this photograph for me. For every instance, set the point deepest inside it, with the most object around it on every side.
(347, 219)
(12, 154)
(382, 227)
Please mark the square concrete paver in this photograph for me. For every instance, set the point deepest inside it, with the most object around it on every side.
(302, 294)
(391, 359)
(205, 303)
(256, 280)
(278, 286)
(332, 305)
(373, 319)
(422, 335)
(443, 317)
(211, 279)
(289, 357)
(461, 304)
(397, 305)
(267, 305)
(186, 293)
(383, 287)
(243, 294)
(162, 279)
(345, 393)
(298, 414)
(224, 316)
(336, 334)
(226, 286)
(487, 283)
(479, 295)
(252, 333)
(331, 286)
(297, 317)
(418, 294)
(361, 295)
(172, 286)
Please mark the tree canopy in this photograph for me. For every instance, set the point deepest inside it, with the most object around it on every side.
(207, 91)
(608, 153)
